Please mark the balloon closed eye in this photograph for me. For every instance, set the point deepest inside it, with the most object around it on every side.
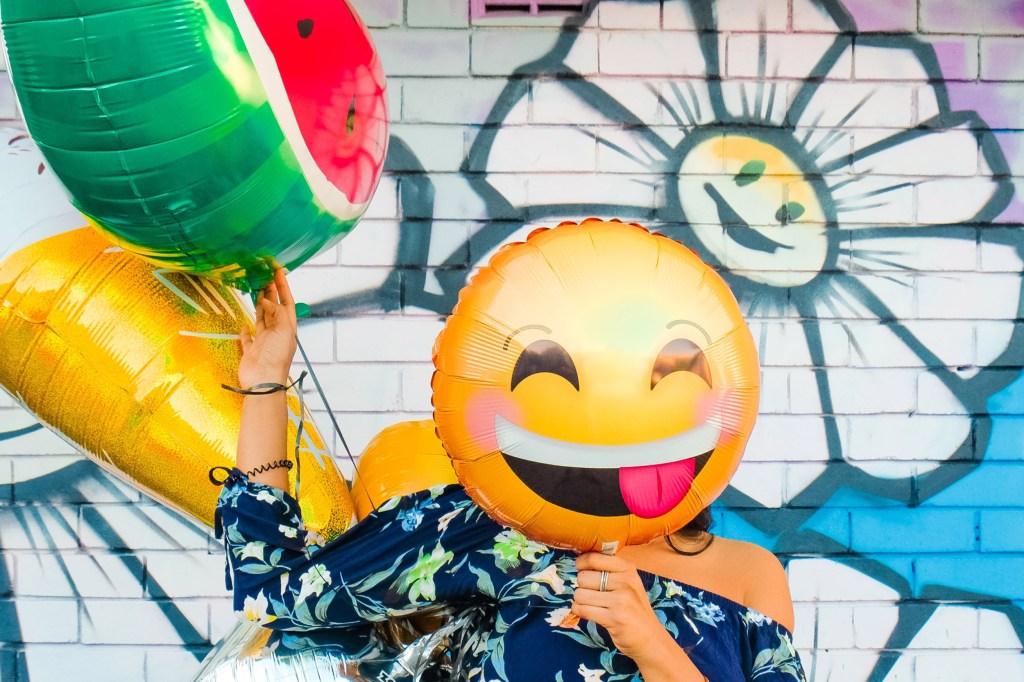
(545, 357)
(681, 355)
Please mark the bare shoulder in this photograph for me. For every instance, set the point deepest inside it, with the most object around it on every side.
(759, 576)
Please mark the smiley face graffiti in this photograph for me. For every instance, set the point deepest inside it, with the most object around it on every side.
(595, 385)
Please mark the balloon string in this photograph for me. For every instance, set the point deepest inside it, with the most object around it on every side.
(330, 413)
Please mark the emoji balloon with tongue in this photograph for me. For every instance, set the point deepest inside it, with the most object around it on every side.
(595, 386)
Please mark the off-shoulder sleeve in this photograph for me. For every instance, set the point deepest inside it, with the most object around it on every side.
(769, 650)
(413, 552)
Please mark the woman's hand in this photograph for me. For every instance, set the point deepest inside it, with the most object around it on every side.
(622, 608)
(267, 355)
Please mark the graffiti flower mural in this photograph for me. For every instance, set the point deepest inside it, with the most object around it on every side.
(828, 178)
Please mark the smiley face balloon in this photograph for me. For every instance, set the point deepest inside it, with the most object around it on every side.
(595, 385)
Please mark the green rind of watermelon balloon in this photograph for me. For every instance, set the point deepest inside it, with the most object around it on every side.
(220, 137)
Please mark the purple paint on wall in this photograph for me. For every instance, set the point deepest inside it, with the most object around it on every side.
(892, 16)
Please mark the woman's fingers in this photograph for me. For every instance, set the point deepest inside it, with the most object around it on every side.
(594, 598)
(284, 291)
(246, 338)
(591, 580)
(598, 614)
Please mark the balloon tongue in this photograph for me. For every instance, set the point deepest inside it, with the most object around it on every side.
(651, 491)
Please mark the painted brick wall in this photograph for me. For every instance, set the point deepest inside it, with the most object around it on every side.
(886, 469)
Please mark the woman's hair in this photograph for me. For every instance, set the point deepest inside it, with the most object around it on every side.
(698, 529)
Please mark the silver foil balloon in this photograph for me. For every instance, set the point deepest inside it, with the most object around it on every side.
(251, 653)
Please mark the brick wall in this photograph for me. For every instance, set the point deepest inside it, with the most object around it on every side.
(886, 468)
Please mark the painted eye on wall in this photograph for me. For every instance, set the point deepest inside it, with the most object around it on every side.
(545, 357)
(680, 355)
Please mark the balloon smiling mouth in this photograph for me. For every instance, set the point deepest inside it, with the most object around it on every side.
(646, 479)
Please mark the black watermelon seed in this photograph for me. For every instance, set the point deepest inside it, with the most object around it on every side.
(305, 27)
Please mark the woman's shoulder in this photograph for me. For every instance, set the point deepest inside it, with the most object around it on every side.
(756, 577)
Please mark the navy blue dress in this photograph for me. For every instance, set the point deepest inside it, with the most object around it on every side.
(437, 546)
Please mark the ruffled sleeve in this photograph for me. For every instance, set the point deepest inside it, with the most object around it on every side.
(413, 552)
(769, 650)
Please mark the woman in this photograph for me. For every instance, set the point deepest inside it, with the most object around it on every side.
(663, 611)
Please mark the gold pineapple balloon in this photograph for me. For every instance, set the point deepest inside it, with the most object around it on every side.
(126, 361)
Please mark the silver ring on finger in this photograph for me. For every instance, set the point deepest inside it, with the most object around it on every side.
(603, 585)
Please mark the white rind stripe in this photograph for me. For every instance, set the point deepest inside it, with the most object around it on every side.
(329, 196)
(523, 444)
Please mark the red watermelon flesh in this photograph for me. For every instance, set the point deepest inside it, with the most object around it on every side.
(335, 85)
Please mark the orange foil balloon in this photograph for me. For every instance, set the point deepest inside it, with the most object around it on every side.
(126, 362)
(595, 386)
(401, 459)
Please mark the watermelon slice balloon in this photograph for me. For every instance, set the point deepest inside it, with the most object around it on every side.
(217, 137)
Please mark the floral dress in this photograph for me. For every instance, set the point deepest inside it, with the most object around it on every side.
(437, 546)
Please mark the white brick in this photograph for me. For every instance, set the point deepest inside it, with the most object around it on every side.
(847, 666)
(222, 619)
(814, 580)
(752, 15)
(903, 440)
(934, 397)
(530, 148)
(373, 243)
(379, 13)
(384, 203)
(360, 428)
(996, 631)
(449, 243)
(784, 344)
(873, 625)
(139, 622)
(805, 628)
(848, 387)
(390, 338)
(317, 338)
(416, 391)
(567, 102)
(438, 13)
(362, 387)
(961, 666)
(455, 200)
(835, 627)
(950, 627)
(787, 56)
(499, 52)
(622, 150)
(438, 147)
(997, 253)
(582, 189)
(647, 53)
(629, 15)
(883, 345)
(894, 290)
(676, 16)
(170, 665)
(41, 442)
(894, 16)
(111, 664)
(138, 527)
(762, 481)
(67, 574)
(423, 52)
(50, 528)
(327, 256)
(48, 620)
(91, 484)
(799, 476)
(463, 100)
(318, 286)
(784, 438)
(968, 296)
(992, 340)
(178, 575)
(991, 17)
(774, 391)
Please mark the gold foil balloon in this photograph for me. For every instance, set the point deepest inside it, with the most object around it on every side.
(126, 362)
(402, 459)
(595, 385)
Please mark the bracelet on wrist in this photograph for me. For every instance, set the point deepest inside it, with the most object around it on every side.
(263, 468)
(264, 389)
